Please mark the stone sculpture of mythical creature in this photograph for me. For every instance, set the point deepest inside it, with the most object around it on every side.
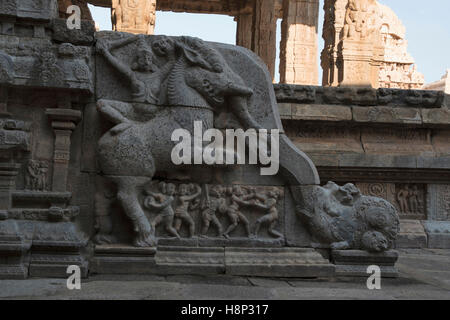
(344, 219)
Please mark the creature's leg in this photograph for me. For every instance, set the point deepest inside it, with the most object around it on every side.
(168, 222)
(218, 225)
(274, 232)
(127, 196)
(156, 222)
(240, 110)
(258, 223)
(177, 224)
(186, 217)
(246, 223)
(205, 227)
(234, 223)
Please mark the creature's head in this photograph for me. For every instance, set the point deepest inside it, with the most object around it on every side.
(163, 46)
(215, 87)
(237, 190)
(384, 218)
(144, 60)
(374, 241)
(170, 189)
(217, 191)
(183, 189)
(348, 194)
(274, 193)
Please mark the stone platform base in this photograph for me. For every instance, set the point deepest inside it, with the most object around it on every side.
(438, 234)
(168, 260)
(354, 263)
(412, 235)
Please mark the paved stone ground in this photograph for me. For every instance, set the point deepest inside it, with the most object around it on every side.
(424, 274)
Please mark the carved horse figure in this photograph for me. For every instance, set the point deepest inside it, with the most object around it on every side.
(175, 81)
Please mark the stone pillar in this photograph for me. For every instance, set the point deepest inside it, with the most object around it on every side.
(334, 15)
(63, 122)
(264, 32)
(359, 50)
(298, 52)
(134, 16)
(244, 30)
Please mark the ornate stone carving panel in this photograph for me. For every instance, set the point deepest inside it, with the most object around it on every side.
(439, 202)
(409, 199)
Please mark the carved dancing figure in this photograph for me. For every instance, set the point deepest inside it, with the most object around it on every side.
(233, 213)
(163, 201)
(271, 218)
(217, 203)
(181, 212)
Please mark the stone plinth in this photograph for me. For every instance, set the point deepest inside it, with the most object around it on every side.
(354, 263)
(412, 235)
(355, 68)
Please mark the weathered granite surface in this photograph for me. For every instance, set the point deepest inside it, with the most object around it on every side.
(87, 178)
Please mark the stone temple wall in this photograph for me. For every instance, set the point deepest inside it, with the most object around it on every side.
(86, 179)
(391, 143)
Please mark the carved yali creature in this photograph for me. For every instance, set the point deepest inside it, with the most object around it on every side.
(344, 219)
(174, 81)
(192, 75)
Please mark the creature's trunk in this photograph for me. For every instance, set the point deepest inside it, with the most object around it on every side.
(176, 83)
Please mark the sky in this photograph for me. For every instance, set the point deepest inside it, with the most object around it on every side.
(427, 30)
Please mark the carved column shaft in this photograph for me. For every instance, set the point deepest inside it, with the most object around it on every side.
(244, 30)
(334, 15)
(63, 123)
(133, 16)
(264, 32)
(298, 52)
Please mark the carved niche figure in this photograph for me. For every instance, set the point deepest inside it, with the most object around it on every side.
(344, 219)
(237, 199)
(215, 202)
(36, 175)
(269, 204)
(135, 16)
(402, 198)
(414, 199)
(181, 211)
(163, 203)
